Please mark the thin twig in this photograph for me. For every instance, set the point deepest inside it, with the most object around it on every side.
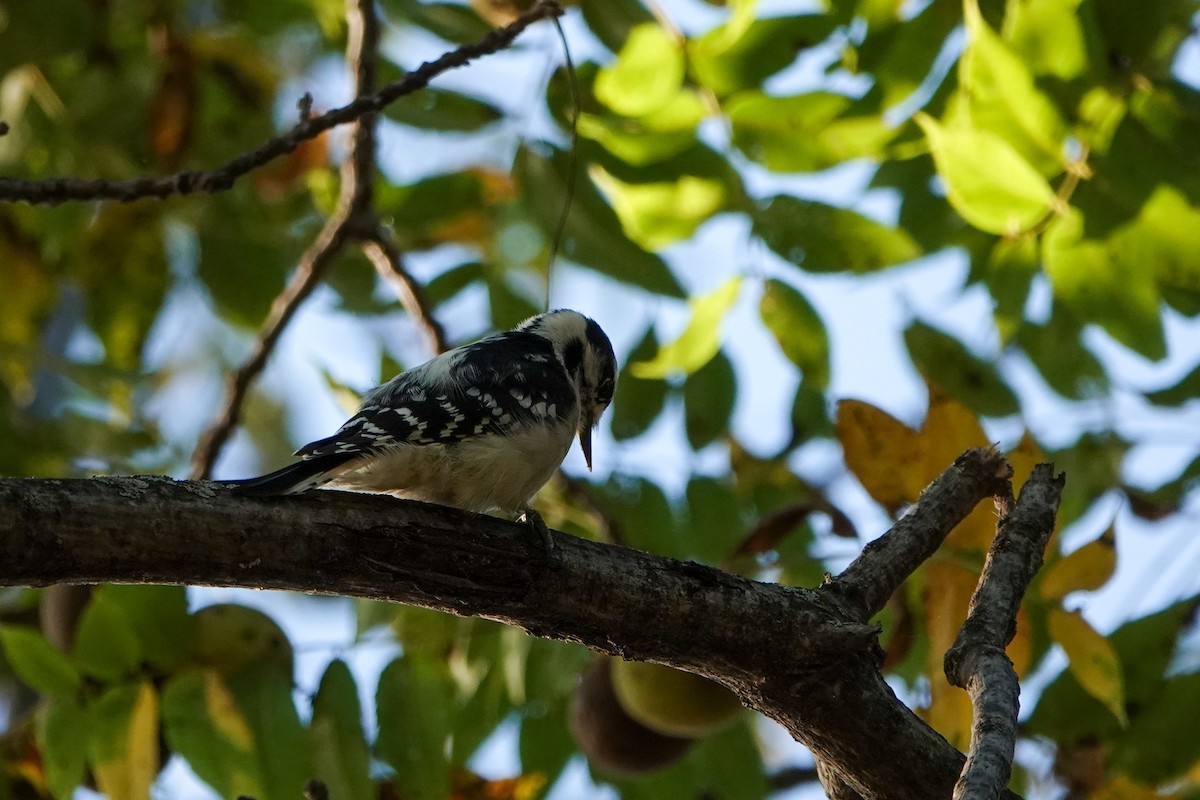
(52, 191)
(389, 263)
(977, 661)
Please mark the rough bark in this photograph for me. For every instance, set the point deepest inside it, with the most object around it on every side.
(803, 657)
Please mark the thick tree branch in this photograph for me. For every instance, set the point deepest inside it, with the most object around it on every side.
(796, 655)
(53, 191)
(977, 661)
(886, 562)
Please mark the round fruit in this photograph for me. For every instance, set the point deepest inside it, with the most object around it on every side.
(671, 702)
(229, 638)
(613, 741)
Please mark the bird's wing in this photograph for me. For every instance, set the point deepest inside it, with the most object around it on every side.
(492, 387)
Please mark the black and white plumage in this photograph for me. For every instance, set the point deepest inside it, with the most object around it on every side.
(480, 427)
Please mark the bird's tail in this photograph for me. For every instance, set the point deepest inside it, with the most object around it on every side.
(294, 478)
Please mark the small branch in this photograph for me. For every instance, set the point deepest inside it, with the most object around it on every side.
(53, 191)
(313, 265)
(791, 777)
(886, 562)
(389, 263)
(977, 661)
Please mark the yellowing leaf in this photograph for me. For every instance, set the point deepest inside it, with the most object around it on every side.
(947, 591)
(658, 214)
(950, 429)
(699, 341)
(1093, 661)
(646, 75)
(1086, 569)
(987, 181)
(123, 741)
(880, 450)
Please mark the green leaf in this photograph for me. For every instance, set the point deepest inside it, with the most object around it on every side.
(1049, 36)
(660, 213)
(744, 52)
(1058, 352)
(454, 23)
(715, 523)
(645, 515)
(433, 210)
(158, 616)
(1114, 293)
(1156, 748)
(62, 735)
(798, 329)
(1164, 240)
(803, 133)
(123, 741)
(593, 236)
(454, 280)
(613, 20)
(413, 703)
(987, 180)
(341, 759)
(638, 401)
(708, 397)
(106, 645)
(442, 110)
(1001, 98)
(1185, 389)
(700, 340)
(658, 135)
(1011, 266)
(263, 693)
(1093, 661)
(37, 663)
(647, 73)
(822, 238)
(950, 366)
(1144, 36)
(202, 723)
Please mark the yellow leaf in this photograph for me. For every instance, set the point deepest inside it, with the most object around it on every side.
(1121, 787)
(950, 429)
(947, 594)
(1093, 661)
(123, 742)
(699, 342)
(1086, 569)
(881, 451)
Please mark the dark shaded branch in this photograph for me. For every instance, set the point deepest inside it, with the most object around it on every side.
(53, 191)
(793, 654)
(313, 266)
(977, 661)
(791, 777)
(886, 562)
(389, 263)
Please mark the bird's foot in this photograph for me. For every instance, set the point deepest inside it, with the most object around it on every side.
(538, 525)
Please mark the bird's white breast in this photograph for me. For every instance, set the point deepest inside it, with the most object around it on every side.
(478, 474)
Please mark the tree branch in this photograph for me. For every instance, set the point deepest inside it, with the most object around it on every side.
(977, 661)
(796, 655)
(389, 264)
(886, 562)
(52, 191)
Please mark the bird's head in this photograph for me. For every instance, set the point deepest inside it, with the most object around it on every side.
(588, 357)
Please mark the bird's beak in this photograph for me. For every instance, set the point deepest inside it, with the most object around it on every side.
(585, 442)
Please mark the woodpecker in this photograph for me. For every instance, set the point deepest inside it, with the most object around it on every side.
(481, 427)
